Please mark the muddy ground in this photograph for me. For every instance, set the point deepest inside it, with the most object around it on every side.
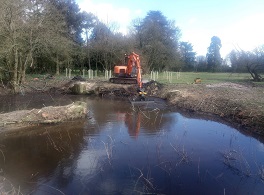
(240, 105)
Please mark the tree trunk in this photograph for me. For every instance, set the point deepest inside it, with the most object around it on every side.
(15, 70)
(57, 66)
(23, 72)
(19, 73)
(256, 77)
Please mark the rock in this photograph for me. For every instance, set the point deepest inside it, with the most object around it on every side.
(80, 88)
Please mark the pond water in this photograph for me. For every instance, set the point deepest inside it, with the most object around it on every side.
(120, 149)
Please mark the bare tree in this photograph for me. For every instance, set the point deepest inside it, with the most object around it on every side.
(27, 29)
(252, 61)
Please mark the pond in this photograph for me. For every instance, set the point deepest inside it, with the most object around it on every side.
(121, 149)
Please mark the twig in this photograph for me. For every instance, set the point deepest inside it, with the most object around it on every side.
(50, 187)
(3, 154)
(144, 114)
(145, 180)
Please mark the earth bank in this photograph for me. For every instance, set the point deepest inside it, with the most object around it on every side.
(241, 105)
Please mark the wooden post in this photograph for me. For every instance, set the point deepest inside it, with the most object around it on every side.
(70, 73)
(106, 74)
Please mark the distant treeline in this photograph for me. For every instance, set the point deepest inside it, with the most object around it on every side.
(52, 35)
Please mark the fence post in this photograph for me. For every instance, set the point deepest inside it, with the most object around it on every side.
(66, 72)
(70, 73)
(92, 74)
(110, 74)
(178, 75)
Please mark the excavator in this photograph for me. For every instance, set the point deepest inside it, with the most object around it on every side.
(130, 73)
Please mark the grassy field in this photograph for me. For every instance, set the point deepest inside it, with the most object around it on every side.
(180, 77)
(188, 77)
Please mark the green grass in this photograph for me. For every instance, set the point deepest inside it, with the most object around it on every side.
(188, 77)
(183, 77)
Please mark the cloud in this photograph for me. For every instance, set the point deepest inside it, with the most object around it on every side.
(246, 34)
(192, 20)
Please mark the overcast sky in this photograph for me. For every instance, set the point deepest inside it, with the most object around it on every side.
(238, 23)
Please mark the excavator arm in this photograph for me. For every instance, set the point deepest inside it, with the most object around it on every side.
(134, 68)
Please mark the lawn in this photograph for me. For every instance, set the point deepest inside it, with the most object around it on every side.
(179, 77)
(188, 77)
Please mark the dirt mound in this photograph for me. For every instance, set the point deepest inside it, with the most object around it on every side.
(153, 88)
(44, 115)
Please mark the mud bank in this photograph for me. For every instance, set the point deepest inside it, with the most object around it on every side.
(45, 115)
(239, 104)
(242, 105)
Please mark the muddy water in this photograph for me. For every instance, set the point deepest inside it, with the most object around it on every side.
(119, 149)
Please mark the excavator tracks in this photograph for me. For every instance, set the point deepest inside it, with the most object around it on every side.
(123, 80)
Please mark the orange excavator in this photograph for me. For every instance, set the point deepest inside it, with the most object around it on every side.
(130, 72)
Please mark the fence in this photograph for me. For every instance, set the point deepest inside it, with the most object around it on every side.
(166, 75)
(154, 75)
(90, 74)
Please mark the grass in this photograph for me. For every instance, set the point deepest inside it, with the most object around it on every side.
(185, 77)
(188, 77)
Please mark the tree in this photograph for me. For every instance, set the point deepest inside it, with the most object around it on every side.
(234, 58)
(26, 33)
(257, 64)
(88, 23)
(252, 61)
(213, 55)
(73, 18)
(201, 64)
(157, 38)
(187, 55)
(101, 40)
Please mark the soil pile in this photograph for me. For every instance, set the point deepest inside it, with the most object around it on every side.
(153, 88)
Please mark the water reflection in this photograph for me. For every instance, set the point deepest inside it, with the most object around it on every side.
(37, 155)
(119, 149)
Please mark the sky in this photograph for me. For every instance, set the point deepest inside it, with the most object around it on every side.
(238, 23)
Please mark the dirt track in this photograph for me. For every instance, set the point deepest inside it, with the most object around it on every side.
(239, 105)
